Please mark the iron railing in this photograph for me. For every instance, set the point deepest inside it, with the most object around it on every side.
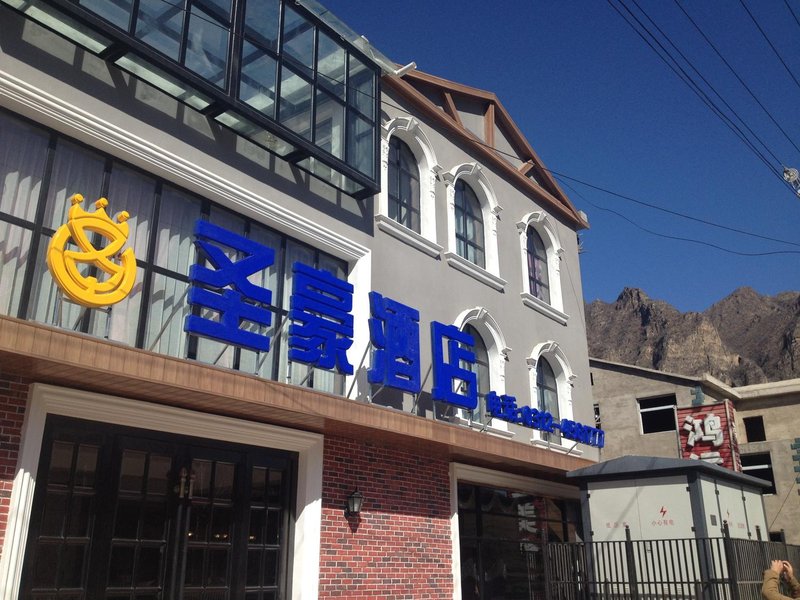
(723, 568)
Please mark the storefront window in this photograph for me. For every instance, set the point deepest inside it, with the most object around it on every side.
(501, 535)
(161, 233)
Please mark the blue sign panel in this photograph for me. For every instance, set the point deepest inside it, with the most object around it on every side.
(449, 371)
(505, 408)
(225, 289)
(394, 334)
(322, 326)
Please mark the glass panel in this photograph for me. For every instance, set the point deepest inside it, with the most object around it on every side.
(154, 521)
(132, 471)
(15, 243)
(223, 481)
(261, 21)
(160, 25)
(329, 125)
(133, 193)
(148, 567)
(86, 466)
(331, 60)
(174, 244)
(127, 520)
(23, 151)
(81, 513)
(271, 567)
(257, 521)
(198, 529)
(120, 571)
(360, 145)
(298, 38)
(44, 573)
(273, 533)
(55, 512)
(217, 573)
(295, 108)
(75, 171)
(194, 566)
(116, 12)
(201, 470)
(257, 84)
(71, 567)
(168, 310)
(158, 474)
(60, 464)
(254, 562)
(207, 51)
(275, 488)
(361, 88)
(259, 484)
(221, 529)
(221, 8)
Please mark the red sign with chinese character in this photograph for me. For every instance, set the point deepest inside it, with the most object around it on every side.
(708, 433)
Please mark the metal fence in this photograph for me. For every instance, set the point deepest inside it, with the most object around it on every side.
(722, 568)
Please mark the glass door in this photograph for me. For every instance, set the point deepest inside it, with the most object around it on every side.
(142, 516)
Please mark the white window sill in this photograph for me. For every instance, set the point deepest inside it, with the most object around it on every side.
(544, 308)
(476, 426)
(575, 451)
(408, 236)
(474, 271)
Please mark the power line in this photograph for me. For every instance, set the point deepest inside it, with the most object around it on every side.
(683, 76)
(735, 74)
(678, 238)
(707, 82)
(769, 42)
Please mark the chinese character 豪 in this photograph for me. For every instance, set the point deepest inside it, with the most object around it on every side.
(447, 372)
(394, 333)
(226, 290)
(322, 326)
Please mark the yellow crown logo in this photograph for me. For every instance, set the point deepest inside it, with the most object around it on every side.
(65, 265)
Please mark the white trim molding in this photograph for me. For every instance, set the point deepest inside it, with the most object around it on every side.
(474, 175)
(546, 229)
(47, 400)
(470, 268)
(565, 380)
(408, 130)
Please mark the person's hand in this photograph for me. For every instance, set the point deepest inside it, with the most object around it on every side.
(787, 568)
(777, 567)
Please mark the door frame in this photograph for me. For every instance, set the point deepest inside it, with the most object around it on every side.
(47, 399)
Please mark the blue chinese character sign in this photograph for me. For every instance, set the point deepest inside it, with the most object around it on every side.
(223, 287)
(452, 382)
(394, 334)
(322, 328)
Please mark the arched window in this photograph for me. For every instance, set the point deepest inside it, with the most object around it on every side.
(538, 277)
(481, 369)
(403, 182)
(469, 225)
(547, 389)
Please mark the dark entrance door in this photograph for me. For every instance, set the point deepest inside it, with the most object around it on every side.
(121, 513)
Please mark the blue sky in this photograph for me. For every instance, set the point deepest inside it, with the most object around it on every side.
(598, 105)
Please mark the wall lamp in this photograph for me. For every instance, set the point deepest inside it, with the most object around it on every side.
(354, 503)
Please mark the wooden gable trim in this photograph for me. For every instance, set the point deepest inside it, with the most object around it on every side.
(503, 120)
(488, 125)
(561, 205)
(450, 107)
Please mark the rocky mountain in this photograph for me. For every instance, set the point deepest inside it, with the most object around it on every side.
(743, 339)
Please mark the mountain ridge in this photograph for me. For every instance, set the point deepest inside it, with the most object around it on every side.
(744, 338)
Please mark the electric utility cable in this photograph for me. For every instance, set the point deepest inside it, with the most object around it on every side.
(683, 76)
(735, 74)
(708, 83)
(769, 42)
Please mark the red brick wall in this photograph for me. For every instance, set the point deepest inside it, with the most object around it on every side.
(13, 399)
(400, 546)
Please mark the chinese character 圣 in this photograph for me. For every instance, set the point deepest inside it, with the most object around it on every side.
(224, 288)
(394, 333)
(449, 371)
(322, 326)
